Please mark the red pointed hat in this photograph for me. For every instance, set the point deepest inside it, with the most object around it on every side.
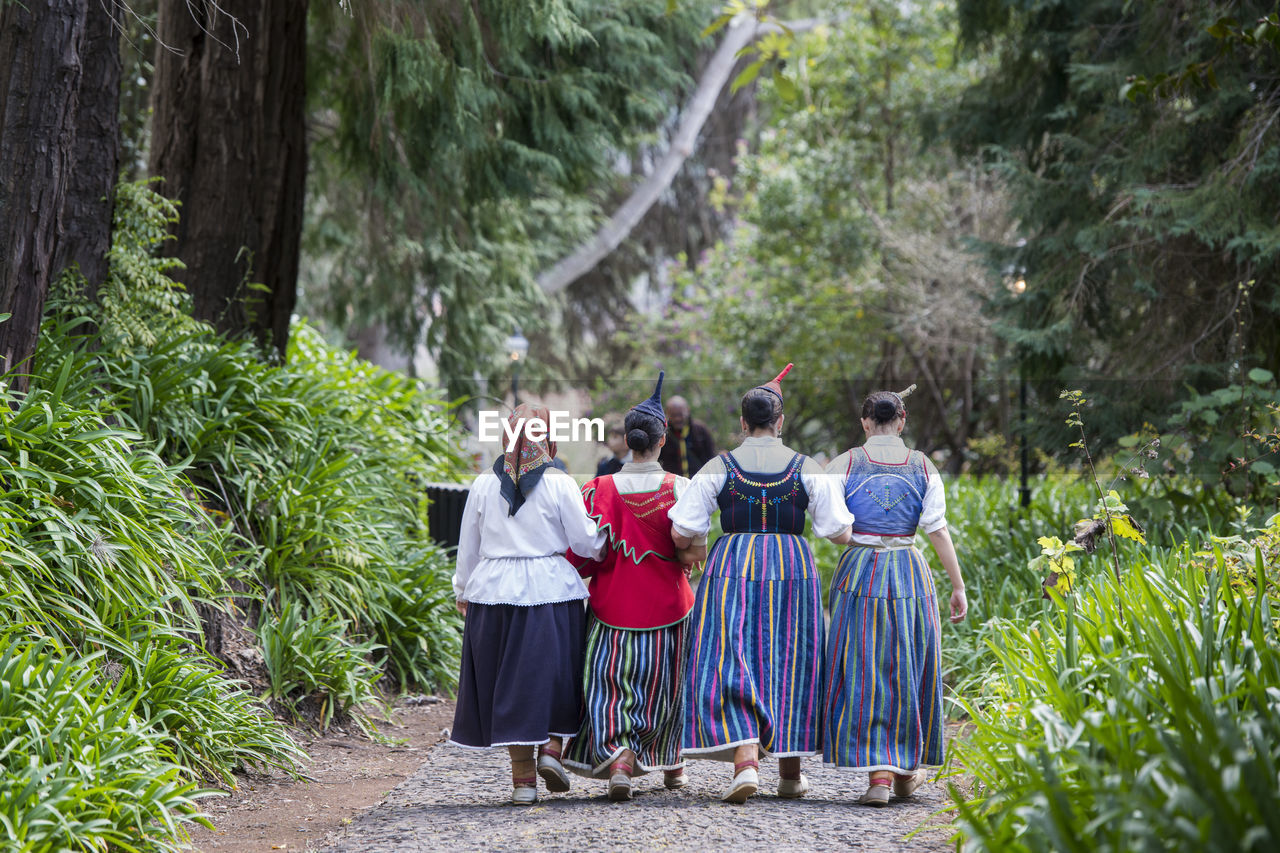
(774, 385)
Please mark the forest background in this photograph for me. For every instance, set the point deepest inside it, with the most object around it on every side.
(210, 507)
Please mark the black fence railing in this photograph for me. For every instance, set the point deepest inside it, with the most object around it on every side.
(444, 513)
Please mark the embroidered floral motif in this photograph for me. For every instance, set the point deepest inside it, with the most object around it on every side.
(736, 477)
(885, 503)
(660, 500)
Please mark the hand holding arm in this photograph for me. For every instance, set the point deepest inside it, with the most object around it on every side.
(691, 553)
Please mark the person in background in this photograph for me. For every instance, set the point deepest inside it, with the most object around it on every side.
(640, 602)
(619, 454)
(754, 682)
(883, 713)
(520, 681)
(689, 444)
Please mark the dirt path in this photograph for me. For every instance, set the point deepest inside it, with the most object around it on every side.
(351, 774)
(458, 801)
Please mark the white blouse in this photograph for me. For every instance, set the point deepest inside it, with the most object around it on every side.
(519, 559)
(645, 477)
(891, 448)
(691, 516)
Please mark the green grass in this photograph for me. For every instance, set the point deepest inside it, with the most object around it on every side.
(1142, 716)
(157, 476)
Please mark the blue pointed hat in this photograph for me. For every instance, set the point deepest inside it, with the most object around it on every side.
(653, 406)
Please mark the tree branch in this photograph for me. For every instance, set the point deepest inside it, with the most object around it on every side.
(741, 31)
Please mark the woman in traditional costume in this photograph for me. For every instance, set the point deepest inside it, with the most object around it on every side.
(883, 712)
(520, 684)
(756, 649)
(640, 602)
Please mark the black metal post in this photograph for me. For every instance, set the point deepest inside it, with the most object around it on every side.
(1025, 491)
(515, 385)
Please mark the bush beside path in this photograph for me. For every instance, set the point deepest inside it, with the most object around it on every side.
(458, 800)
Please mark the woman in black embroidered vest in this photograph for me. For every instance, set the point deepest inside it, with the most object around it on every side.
(753, 681)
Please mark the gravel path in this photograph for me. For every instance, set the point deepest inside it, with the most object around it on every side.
(457, 800)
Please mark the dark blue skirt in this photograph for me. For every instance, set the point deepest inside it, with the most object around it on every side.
(521, 676)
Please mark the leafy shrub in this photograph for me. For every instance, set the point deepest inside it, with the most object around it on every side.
(313, 658)
(1216, 448)
(102, 550)
(155, 471)
(76, 769)
(212, 725)
(318, 464)
(1144, 716)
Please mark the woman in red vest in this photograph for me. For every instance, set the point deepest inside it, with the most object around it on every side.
(640, 602)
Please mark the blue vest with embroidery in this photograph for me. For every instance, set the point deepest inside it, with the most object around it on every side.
(762, 503)
(886, 498)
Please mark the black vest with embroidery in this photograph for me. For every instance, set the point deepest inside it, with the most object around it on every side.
(762, 503)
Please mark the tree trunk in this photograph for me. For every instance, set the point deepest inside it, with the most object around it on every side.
(229, 137)
(41, 42)
(86, 211)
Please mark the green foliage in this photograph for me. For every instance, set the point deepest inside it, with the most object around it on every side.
(1141, 718)
(475, 137)
(76, 769)
(851, 257)
(1262, 35)
(1151, 241)
(1229, 436)
(313, 657)
(153, 479)
(138, 304)
(103, 549)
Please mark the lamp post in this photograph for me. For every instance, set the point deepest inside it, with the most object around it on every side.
(1016, 281)
(517, 348)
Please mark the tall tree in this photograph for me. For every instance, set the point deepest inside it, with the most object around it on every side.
(850, 257)
(41, 45)
(229, 138)
(1152, 252)
(86, 218)
(473, 138)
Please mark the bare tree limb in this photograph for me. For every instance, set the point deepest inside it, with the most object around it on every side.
(741, 31)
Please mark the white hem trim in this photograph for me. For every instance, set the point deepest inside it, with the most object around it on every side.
(527, 603)
(601, 771)
(871, 768)
(705, 751)
(452, 742)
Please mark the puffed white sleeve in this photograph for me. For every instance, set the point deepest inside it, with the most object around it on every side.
(826, 500)
(691, 516)
(839, 466)
(468, 554)
(933, 515)
(585, 538)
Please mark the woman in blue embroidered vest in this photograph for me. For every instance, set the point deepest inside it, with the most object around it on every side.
(756, 636)
(883, 711)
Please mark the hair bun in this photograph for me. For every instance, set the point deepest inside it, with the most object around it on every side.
(884, 411)
(638, 439)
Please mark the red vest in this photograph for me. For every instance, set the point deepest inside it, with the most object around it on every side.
(638, 582)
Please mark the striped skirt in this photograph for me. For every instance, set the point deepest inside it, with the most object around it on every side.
(755, 657)
(633, 700)
(884, 684)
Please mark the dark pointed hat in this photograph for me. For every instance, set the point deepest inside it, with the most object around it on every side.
(774, 385)
(653, 406)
